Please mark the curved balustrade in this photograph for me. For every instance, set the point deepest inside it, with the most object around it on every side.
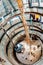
(10, 36)
(12, 33)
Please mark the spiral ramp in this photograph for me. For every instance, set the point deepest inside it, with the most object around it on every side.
(13, 31)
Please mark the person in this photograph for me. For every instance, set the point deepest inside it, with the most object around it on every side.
(37, 17)
(32, 16)
(29, 3)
